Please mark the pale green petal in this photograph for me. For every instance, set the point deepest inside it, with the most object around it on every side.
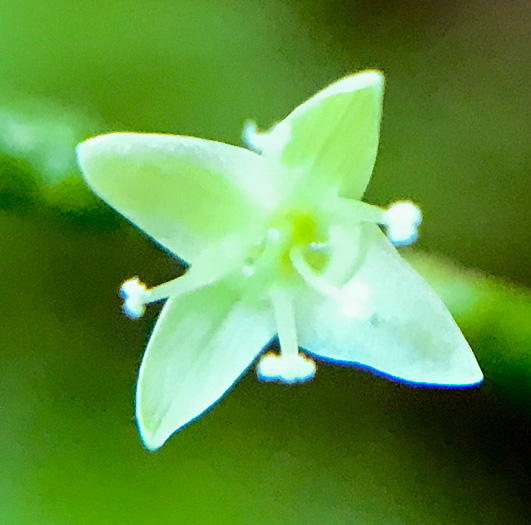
(403, 329)
(201, 344)
(333, 136)
(183, 191)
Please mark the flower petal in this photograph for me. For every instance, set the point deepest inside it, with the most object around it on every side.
(401, 328)
(182, 191)
(333, 136)
(200, 346)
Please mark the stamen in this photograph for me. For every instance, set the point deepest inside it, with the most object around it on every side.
(273, 234)
(285, 321)
(252, 138)
(317, 282)
(352, 298)
(133, 291)
(137, 296)
(290, 366)
(402, 220)
(345, 211)
(164, 290)
(318, 247)
(291, 369)
(274, 139)
(248, 270)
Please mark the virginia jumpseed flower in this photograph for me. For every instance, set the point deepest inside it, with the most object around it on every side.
(279, 243)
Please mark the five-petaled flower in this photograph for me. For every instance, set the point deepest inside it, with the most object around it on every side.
(278, 242)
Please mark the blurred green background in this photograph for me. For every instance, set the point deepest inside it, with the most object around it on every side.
(347, 447)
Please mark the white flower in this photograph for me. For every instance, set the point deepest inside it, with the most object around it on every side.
(279, 243)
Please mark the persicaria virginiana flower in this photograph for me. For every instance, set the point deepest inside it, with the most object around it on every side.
(278, 243)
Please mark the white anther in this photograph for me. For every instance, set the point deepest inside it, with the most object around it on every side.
(252, 138)
(318, 246)
(248, 270)
(273, 140)
(402, 220)
(134, 294)
(290, 369)
(273, 234)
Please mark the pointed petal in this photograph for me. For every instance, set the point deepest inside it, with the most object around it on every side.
(182, 191)
(201, 344)
(333, 136)
(402, 330)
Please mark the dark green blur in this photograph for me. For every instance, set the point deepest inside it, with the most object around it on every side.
(348, 447)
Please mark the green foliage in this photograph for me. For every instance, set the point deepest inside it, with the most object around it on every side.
(37, 155)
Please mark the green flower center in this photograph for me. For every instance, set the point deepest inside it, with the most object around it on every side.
(303, 230)
(297, 229)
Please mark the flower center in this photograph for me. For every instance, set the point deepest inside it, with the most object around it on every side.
(299, 230)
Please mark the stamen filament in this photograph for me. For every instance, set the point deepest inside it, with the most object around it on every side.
(285, 321)
(400, 220)
(353, 211)
(317, 282)
(190, 281)
(163, 291)
(351, 298)
(290, 366)
(252, 138)
(137, 296)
